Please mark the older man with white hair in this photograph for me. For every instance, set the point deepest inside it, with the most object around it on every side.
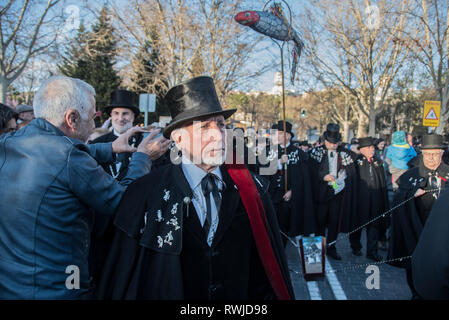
(424, 183)
(203, 230)
(45, 216)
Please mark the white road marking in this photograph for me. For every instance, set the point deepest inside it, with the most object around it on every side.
(335, 285)
(314, 291)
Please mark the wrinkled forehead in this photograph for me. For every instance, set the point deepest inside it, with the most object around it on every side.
(201, 121)
(432, 151)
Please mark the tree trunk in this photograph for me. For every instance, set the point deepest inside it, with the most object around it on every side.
(444, 109)
(4, 84)
(372, 124)
(360, 126)
(346, 131)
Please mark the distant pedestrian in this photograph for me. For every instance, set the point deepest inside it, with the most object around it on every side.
(8, 119)
(398, 155)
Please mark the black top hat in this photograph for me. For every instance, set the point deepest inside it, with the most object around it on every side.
(332, 133)
(280, 126)
(122, 99)
(366, 142)
(432, 141)
(194, 99)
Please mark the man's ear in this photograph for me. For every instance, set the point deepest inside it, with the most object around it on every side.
(176, 136)
(72, 119)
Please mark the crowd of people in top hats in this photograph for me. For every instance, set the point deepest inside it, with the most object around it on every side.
(184, 212)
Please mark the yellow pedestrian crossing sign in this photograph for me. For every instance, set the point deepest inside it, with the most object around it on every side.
(431, 114)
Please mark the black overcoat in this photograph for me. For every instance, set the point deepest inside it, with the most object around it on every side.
(430, 261)
(302, 216)
(408, 220)
(372, 197)
(322, 192)
(156, 228)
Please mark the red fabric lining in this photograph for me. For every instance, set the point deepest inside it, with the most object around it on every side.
(256, 213)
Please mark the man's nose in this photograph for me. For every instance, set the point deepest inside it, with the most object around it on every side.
(215, 132)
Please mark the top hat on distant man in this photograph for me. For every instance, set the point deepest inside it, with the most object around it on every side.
(432, 141)
(123, 99)
(366, 142)
(280, 126)
(332, 133)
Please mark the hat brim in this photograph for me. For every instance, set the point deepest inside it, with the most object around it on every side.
(109, 108)
(282, 130)
(330, 139)
(365, 145)
(18, 110)
(433, 147)
(185, 120)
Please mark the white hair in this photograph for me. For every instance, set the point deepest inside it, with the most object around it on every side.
(58, 94)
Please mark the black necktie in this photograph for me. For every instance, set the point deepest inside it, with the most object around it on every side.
(433, 181)
(209, 185)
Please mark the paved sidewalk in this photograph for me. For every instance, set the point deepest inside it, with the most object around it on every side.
(352, 279)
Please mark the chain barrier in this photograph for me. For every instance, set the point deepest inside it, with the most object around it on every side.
(378, 217)
(345, 236)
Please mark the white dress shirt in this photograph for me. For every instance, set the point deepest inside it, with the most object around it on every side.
(333, 162)
(194, 176)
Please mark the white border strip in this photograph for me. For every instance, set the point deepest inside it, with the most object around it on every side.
(314, 291)
(337, 290)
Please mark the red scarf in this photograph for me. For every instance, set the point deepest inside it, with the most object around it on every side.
(256, 213)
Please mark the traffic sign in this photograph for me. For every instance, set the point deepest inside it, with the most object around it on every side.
(431, 114)
(147, 102)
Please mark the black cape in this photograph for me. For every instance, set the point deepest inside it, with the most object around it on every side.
(301, 220)
(103, 230)
(407, 221)
(430, 261)
(372, 197)
(144, 257)
(322, 192)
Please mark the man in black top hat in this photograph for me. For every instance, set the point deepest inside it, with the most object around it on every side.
(294, 206)
(123, 112)
(372, 199)
(334, 187)
(196, 228)
(423, 183)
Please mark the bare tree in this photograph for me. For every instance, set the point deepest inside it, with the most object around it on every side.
(26, 31)
(197, 37)
(358, 47)
(430, 47)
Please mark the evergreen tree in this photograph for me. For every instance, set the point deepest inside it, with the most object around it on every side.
(147, 73)
(92, 58)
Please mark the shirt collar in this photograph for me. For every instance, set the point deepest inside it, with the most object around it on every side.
(115, 133)
(195, 174)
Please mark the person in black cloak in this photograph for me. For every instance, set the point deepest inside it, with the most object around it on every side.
(294, 207)
(196, 229)
(122, 111)
(334, 187)
(372, 199)
(430, 260)
(422, 185)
